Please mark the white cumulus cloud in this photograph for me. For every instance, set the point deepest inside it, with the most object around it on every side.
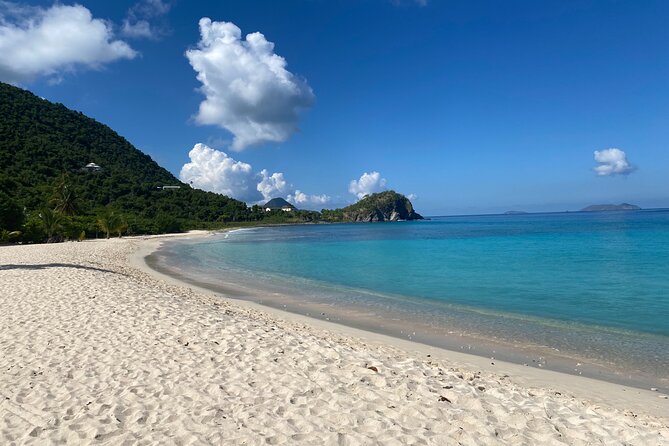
(274, 185)
(248, 90)
(300, 198)
(612, 162)
(215, 171)
(368, 183)
(37, 41)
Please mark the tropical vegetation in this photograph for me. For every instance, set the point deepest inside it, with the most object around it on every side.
(64, 175)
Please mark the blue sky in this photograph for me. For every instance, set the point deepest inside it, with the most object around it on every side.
(472, 106)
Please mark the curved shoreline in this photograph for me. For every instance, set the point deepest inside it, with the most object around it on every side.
(451, 328)
(603, 391)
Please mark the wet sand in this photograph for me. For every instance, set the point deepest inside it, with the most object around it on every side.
(519, 339)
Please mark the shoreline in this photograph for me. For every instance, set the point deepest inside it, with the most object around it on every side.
(451, 337)
(593, 388)
(97, 349)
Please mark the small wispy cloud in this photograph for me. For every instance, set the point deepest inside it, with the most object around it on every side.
(139, 28)
(421, 3)
(141, 19)
(612, 162)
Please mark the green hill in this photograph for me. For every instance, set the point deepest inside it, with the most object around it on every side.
(48, 192)
(41, 141)
(278, 204)
(382, 206)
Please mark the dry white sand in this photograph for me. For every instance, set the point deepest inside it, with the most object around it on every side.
(95, 350)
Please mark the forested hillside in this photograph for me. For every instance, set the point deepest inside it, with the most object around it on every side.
(48, 193)
(43, 150)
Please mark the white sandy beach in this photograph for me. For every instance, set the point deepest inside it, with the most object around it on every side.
(95, 349)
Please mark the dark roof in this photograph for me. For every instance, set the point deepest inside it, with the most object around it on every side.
(278, 203)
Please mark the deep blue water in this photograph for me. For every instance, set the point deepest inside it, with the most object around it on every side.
(566, 272)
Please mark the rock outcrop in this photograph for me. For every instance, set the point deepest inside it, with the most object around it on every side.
(382, 206)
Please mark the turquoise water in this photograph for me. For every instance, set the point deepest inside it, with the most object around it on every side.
(592, 284)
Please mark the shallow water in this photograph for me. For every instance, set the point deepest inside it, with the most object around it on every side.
(577, 288)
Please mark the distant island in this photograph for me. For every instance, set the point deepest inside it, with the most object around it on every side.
(611, 207)
(515, 212)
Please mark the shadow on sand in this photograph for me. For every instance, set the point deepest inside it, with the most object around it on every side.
(55, 265)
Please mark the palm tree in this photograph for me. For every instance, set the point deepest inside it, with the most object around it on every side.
(52, 221)
(105, 222)
(64, 199)
(120, 227)
(111, 222)
(67, 202)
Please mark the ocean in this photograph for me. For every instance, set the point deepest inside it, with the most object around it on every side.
(582, 293)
